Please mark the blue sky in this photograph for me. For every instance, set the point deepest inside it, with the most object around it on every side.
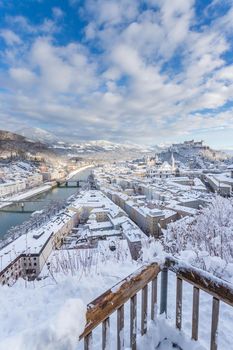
(148, 72)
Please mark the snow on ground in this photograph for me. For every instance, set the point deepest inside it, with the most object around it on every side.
(50, 313)
(225, 335)
(162, 336)
(41, 318)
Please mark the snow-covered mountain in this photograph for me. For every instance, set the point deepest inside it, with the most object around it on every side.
(92, 146)
(101, 146)
(38, 135)
(111, 146)
(12, 144)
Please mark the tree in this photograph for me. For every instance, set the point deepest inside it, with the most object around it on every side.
(208, 236)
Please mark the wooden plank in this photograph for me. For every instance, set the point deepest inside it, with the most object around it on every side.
(144, 308)
(214, 325)
(154, 298)
(103, 306)
(178, 303)
(106, 334)
(120, 328)
(133, 322)
(203, 280)
(195, 314)
(88, 341)
(111, 300)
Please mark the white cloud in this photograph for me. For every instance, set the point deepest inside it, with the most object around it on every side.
(112, 12)
(10, 37)
(131, 88)
(226, 73)
(24, 25)
(57, 12)
(62, 69)
(22, 75)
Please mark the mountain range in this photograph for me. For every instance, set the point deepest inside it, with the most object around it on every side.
(37, 140)
(93, 146)
(38, 135)
(12, 143)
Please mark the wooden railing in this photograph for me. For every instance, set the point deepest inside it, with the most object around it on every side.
(100, 309)
(219, 289)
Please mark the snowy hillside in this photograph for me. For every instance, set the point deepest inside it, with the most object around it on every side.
(11, 142)
(38, 135)
(105, 146)
(83, 147)
(102, 148)
(194, 156)
(54, 314)
(15, 145)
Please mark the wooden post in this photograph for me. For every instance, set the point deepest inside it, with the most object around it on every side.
(105, 334)
(214, 325)
(216, 287)
(178, 303)
(88, 341)
(133, 322)
(110, 301)
(163, 295)
(120, 328)
(195, 315)
(153, 298)
(144, 310)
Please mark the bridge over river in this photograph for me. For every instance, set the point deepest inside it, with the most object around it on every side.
(20, 211)
(70, 183)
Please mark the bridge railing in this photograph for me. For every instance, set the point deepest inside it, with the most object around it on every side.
(114, 299)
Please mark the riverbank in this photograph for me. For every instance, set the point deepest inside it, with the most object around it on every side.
(75, 172)
(25, 195)
(15, 216)
(38, 190)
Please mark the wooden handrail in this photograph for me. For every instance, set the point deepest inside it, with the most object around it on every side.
(100, 309)
(103, 306)
(214, 286)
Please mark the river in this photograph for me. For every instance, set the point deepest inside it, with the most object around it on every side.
(10, 219)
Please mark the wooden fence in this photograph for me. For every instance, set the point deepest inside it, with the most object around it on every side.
(114, 299)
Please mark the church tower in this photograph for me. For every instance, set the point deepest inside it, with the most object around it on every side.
(173, 162)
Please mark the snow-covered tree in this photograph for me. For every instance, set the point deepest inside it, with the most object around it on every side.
(206, 239)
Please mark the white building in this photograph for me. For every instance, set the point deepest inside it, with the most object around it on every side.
(12, 187)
